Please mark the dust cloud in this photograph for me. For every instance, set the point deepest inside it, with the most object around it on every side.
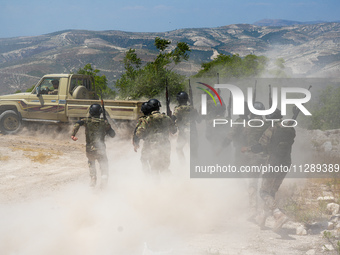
(136, 214)
(55, 211)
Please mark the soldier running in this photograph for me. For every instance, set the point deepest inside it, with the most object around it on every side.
(146, 110)
(96, 129)
(185, 117)
(277, 142)
(154, 130)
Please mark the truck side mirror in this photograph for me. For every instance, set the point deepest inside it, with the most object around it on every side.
(38, 90)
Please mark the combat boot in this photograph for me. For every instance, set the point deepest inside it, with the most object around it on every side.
(261, 218)
(93, 181)
(280, 219)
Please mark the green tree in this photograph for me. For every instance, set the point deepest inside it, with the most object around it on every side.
(325, 113)
(131, 63)
(100, 81)
(279, 70)
(233, 66)
(150, 80)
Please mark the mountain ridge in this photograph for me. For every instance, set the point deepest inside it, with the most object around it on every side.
(284, 22)
(307, 50)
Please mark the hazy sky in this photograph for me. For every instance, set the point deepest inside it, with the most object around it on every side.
(37, 17)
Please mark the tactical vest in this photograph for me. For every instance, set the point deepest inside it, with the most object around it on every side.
(95, 133)
(158, 127)
(254, 133)
(281, 142)
(182, 114)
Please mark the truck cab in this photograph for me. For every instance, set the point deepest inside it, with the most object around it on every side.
(48, 99)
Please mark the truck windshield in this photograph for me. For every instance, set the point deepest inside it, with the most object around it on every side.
(48, 86)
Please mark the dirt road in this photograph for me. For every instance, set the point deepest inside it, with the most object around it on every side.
(47, 207)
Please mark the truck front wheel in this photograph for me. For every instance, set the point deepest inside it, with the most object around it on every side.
(10, 122)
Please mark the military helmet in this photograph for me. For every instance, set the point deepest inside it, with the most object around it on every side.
(259, 106)
(182, 97)
(95, 110)
(275, 115)
(154, 104)
(145, 108)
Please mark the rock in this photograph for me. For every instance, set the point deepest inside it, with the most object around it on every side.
(327, 247)
(330, 226)
(327, 146)
(333, 208)
(337, 226)
(326, 141)
(335, 218)
(301, 231)
(310, 252)
(326, 198)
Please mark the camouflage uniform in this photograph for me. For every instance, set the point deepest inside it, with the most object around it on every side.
(154, 130)
(277, 142)
(238, 137)
(185, 117)
(253, 135)
(135, 141)
(213, 134)
(95, 130)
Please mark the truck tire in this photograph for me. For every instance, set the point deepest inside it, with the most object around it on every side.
(10, 122)
(80, 92)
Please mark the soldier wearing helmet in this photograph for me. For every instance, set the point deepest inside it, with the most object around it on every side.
(277, 142)
(155, 130)
(146, 110)
(184, 116)
(96, 129)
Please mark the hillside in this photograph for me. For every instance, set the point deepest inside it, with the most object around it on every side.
(283, 22)
(309, 50)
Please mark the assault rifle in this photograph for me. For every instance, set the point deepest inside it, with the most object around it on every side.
(190, 95)
(270, 96)
(167, 98)
(102, 102)
(254, 93)
(111, 132)
(229, 106)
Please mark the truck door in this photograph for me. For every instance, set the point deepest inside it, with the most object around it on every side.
(43, 103)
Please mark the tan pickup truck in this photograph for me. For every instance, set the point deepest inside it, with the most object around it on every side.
(60, 98)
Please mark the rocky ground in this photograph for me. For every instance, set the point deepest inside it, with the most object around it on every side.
(47, 207)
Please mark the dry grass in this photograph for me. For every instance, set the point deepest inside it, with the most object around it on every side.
(39, 155)
(301, 204)
(4, 158)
